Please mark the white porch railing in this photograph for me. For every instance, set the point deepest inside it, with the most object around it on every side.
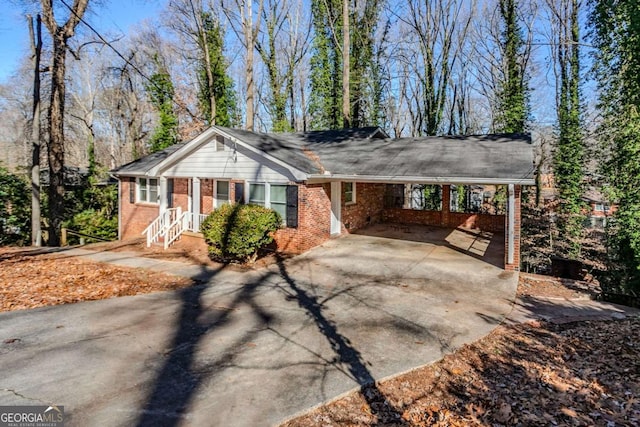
(160, 225)
(170, 226)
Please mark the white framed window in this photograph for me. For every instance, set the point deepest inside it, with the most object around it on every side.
(599, 207)
(257, 193)
(222, 193)
(278, 199)
(349, 189)
(282, 198)
(148, 190)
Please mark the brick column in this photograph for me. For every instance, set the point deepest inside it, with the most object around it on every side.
(515, 205)
(446, 203)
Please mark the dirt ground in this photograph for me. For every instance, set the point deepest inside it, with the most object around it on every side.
(30, 280)
(574, 374)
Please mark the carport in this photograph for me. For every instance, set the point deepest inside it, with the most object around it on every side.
(379, 185)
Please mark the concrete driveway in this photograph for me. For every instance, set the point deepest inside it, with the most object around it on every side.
(252, 349)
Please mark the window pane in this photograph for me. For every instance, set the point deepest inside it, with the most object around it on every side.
(222, 190)
(348, 191)
(256, 194)
(222, 193)
(281, 208)
(153, 190)
(142, 187)
(278, 194)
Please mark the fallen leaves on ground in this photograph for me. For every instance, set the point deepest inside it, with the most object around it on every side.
(555, 287)
(574, 374)
(29, 281)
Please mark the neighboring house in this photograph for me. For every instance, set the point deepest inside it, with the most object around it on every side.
(599, 210)
(323, 183)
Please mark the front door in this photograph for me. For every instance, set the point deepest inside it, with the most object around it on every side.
(336, 205)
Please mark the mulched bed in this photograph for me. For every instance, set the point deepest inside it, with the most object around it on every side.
(573, 374)
(29, 280)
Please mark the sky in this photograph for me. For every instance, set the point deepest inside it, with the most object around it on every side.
(111, 17)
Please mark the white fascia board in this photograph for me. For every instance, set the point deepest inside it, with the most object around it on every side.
(297, 173)
(419, 179)
(187, 149)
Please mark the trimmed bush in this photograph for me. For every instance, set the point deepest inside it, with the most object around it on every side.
(238, 232)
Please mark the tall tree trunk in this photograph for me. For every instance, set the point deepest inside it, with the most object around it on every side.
(56, 139)
(59, 35)
(346, 101)
(249, 77)
(36, 45)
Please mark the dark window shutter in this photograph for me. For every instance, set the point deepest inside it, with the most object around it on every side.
(170, 193)
(292, 206)
(132, 190)
(239, 192)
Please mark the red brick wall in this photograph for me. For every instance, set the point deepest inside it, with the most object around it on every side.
(485, 222)
(314, 220)
(181, 193)
(366, 210)
(517, 228)
(206, 196)
(135, 217)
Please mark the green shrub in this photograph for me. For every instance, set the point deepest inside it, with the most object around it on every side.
(238, 232)
(15, 209)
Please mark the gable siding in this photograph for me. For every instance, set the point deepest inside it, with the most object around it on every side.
(206, 162)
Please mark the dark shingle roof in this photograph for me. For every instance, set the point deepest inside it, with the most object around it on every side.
(507, 156)
(146, 163)
(369, 152)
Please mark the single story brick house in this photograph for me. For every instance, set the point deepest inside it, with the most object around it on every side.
(323, 183)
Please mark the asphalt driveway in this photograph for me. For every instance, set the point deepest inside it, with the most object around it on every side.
(256, 348)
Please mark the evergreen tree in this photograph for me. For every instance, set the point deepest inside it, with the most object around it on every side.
(569, 153)
(513, 94)
(327, 64)
(616, 26)
(161, 91)
(226, 109)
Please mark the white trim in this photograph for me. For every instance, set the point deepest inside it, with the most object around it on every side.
(317, 178)
(215, 192)
(148, 187)
(511, 225)
(163, 194)
(195, 198)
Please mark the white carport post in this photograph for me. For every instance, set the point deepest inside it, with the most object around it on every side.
(511, 211)
(163, 194)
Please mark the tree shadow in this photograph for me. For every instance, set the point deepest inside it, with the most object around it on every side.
(179, 379)
(345, 353)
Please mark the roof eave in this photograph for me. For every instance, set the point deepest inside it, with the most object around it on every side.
(419, 179)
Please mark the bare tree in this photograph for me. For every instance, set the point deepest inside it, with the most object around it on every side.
(36, 49)
(246, 26)
(60, 35)
(439, 29)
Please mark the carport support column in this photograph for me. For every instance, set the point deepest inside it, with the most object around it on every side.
(512, 235)
(446, 204)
